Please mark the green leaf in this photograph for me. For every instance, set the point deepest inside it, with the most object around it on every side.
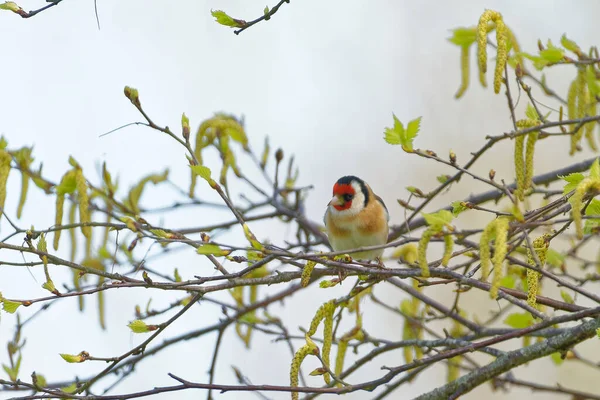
(222, 18)
(212, 249)
(404, 137)
(569, 44)
(3, 143)
(266, 13)
(10, 306)
(458, 207)
(251, 238)
(572, 181)
(42, 245)
(49, 286)
(554, 258)
(10, 6)
(413, 129)
(416, 191)
(595, 170)
(73, 162)
(508, 281)
(598, 332)
(438, 219)
(566, 297)
(442, 178)
(591, 226)
(463, 36)
(552, 54)
(531, 113)
(12, 374)
(133, 95)
(394, 135)
(538, 62)
(40, 381)
(519, 320)
(72, 388)
(138, 326)
(176, 275)
(593, 208)
(250, 318)
(318, 371)
(71, 358)
(327, 284)
(185, 126)
(202, 171)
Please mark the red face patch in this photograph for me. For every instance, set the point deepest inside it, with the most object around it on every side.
(343, 191)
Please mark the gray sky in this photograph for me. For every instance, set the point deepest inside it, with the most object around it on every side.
(321, 79)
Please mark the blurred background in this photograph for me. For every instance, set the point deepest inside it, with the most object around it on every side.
(321, 79)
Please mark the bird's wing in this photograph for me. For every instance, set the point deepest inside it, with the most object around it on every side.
(379, 199)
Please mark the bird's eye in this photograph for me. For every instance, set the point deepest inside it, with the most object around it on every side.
(348, 197)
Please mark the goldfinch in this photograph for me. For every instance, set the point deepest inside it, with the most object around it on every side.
(356, 217)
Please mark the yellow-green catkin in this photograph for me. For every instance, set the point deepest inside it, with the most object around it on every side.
(499, 227)
(529, 151)
(341, 355)
(325, 314)
(589, 127)
(514, 44)
(5, 160)
(309, 348)
(72, 232)
(448, 246)
(464, 71)
(307, 272)
(24, 160)
(327, 340)
(577, 99)
(520, 166)
(24, 189)
(532, 286)
(422, 252)
(524, 166)
(355, 333)
(540, 246)
(502, 45)
(84, 211)
(60, 202)
(319, 316)
(500, 250)
(572, 110)
(407, 253)
(454, 363)
(109, 210)
(484, 250)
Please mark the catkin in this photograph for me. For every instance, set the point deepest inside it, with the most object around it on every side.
(60, 202)
(422, 252)
(5, 160)
(84, 211)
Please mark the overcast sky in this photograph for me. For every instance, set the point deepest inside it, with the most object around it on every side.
(321, 79)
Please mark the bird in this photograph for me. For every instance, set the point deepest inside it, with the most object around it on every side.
(356, 217)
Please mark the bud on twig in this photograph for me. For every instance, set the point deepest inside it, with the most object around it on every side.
(279, 155)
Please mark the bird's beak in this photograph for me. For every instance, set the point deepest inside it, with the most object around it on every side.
(336, 201)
